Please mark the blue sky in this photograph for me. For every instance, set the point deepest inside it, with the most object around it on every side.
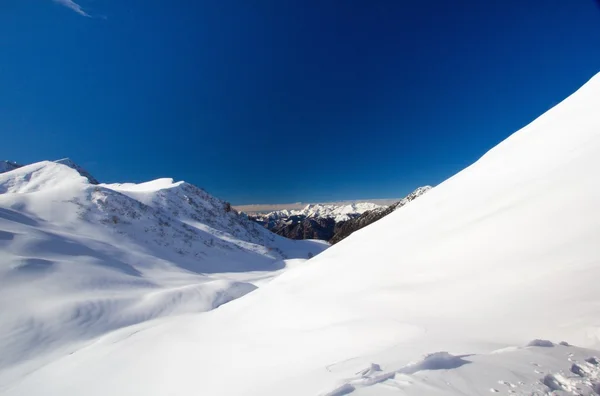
(275, 101)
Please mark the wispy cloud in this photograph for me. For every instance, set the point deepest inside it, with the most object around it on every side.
(73, 6)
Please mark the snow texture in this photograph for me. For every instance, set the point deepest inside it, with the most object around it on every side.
(79, 260)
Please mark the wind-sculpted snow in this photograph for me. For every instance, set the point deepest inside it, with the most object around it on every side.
(564, 370)
(80, 260)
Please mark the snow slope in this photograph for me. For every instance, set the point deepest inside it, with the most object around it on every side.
(439, 298)
(78, 260)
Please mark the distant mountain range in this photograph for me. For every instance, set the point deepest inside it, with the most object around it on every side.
(267, 208)
(329, 222)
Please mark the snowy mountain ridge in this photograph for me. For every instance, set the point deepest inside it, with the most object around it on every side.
(80, 259)
(337, 212)
(68, 162)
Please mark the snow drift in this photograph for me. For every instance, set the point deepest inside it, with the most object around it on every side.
(438, 298)
(78, 260)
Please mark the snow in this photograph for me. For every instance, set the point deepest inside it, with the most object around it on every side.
(68, 162)
(80, 260)
(337, 212)
(150, 186)
(7, 166)
(486, 284)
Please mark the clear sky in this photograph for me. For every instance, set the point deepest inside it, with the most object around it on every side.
(272, 101)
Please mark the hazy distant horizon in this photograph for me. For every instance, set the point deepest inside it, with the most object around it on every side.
(255, 208)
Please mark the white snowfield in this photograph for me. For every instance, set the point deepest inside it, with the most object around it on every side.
(79, 260)
(455, 294)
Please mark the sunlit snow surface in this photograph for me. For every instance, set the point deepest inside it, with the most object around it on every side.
(79, 260)
(466, 291)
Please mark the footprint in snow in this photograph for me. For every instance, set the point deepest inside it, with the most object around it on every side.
(506, 383)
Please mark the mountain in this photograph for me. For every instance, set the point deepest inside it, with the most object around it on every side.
(78, 260)
(371, 216)
(300, 227)
(68, 162)
(314, 221)
(329, 222)
(338, 213)
(266, 208)
(488, 283)
(6, 166)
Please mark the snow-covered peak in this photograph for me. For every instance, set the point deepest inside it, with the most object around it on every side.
(68, 162)
(193, 206)
(39, 176)
(339, 213)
